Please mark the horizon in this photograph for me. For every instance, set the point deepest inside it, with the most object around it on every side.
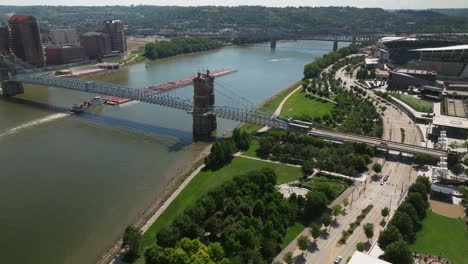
(384, 4)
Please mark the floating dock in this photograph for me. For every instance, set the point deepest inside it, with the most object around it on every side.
(164, 87)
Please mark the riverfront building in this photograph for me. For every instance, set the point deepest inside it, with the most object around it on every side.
(26, 39)
(96, 45)
(4, 40)
(64, 36)
(64, 54)
(115, 30)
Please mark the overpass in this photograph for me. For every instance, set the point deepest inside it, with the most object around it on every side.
(202, 105)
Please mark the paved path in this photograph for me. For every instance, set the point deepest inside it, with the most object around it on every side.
(279, 108)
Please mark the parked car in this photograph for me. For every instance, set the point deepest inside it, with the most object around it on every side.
(338, 260)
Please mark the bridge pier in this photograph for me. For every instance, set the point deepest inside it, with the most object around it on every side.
(9, 88)
(335, 45)
(204, 121)
(12, 88)
(273, 43)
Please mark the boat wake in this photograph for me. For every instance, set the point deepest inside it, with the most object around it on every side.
(275, 60)
(32, 123)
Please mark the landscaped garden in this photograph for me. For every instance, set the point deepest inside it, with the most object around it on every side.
(415, 103)
(443, 236)
(208, 180)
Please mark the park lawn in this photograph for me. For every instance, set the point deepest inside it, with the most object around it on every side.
(273, 102)
(443, 236)
(254, 145)
(298, 105)
(250, 128)
(292, 233)
(205, 181)
(415, 103)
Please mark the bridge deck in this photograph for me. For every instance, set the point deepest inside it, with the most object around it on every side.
(233, 113)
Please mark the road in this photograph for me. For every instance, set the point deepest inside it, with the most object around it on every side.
(327, 248)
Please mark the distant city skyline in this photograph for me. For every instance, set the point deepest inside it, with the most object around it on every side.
(386, 4)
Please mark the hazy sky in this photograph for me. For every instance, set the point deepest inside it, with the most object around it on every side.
(387, 4)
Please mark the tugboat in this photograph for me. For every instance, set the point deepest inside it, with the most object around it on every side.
(95, 102)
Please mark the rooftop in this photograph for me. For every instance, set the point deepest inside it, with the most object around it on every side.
(457, 47)
(450, 121)
(19, 18)
(413, 71)
(372, 60)
(361, 258)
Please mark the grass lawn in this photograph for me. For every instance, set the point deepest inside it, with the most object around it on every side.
(250, 128)
(415, 103)
(443, 236)
(208, 180)
(298, 105)
(272, 103)
(292, 233)
(254, 145)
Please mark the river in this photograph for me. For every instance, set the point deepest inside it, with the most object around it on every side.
(71, 184)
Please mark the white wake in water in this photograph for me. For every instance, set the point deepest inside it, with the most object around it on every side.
(32, 123)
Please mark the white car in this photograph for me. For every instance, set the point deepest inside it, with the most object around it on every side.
(337, 260)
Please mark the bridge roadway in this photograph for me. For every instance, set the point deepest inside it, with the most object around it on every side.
(233, 113)
(376, 142)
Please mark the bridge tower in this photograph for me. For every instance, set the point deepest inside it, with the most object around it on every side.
(335, 45)
(273, 43)
(204, 121)
(9, 88)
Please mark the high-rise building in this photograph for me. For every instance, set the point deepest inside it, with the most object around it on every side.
(26, 39)
(4, 40)
(115, 30)
(64, 36)
(64, 54)
(96, 44)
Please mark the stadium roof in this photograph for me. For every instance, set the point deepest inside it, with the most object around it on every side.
(457, 47)
(361, 258)
(388, 39)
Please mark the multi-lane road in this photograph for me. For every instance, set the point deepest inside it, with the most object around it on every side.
(397, 128)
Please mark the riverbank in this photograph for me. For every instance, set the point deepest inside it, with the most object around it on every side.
(157, 207)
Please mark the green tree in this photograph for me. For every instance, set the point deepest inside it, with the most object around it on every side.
(419, 188)
(377, 167)
(384, 212)
(288, 258)
(326, 220)
(368, 230)
(307, 167)
(360, 246)
(132, 241)
(345, 203)
(398, 252)
(303, 243)
(404, 224)
(422, 159)
(388, 236)
(316, 203)
(416, 200)
(425, 181)
(315, 231)
(337, 210)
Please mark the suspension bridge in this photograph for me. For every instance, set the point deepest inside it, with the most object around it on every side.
(14, 72)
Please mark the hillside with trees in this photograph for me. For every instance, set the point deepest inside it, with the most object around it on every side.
(176, 46)
(340, 20)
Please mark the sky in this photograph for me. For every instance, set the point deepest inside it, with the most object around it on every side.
(387, 4)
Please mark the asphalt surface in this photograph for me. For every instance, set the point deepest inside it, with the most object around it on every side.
(397, 127)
